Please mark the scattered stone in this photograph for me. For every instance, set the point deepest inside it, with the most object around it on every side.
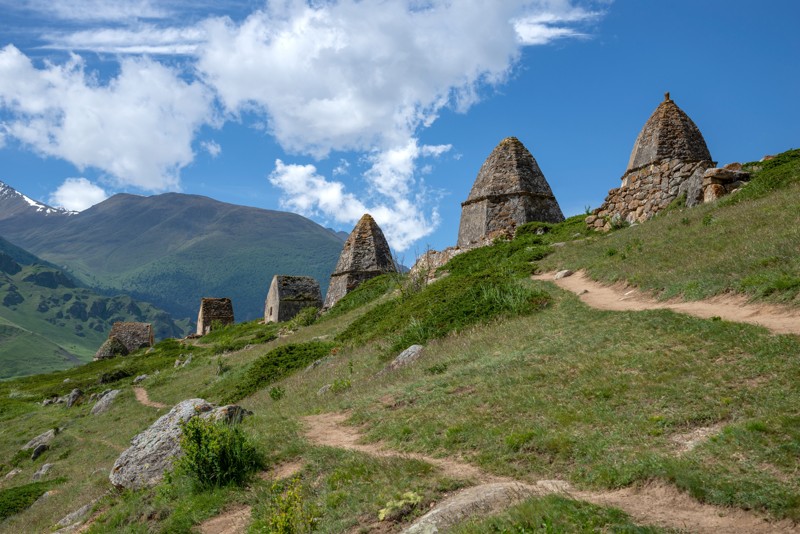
(67, 380)
(44, 438)
(11, 474)
(317, 363)
(510, 190)
(720, 182)
(288, 295)
(39, 450)
(42, 471)
(324, 389)
(104, 402)
(483, 500)
(74, 396)
(75, 517)
(668, 160)
(151, 453)
(183, 363)
(365, 255)
(563, 274)
(141, 378)
(214, 311)
(111, 348)
(407, 357)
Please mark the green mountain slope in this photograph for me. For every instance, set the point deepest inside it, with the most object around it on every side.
(174, 249)
(652, 411)
(48, 322)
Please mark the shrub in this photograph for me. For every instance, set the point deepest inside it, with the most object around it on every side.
(216, 454)
(287, 512)
(15, 500)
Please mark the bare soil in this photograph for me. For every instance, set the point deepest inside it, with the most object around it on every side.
(654, 504)
(141, 396)
(622, 297)
(233, 521)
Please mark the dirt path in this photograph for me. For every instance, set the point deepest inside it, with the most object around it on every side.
(141, 396)
(619, 297)
(654, 504)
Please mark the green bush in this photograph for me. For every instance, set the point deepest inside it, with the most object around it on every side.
(15, 500)
(287, 511)
(271, 367)
(216, 454)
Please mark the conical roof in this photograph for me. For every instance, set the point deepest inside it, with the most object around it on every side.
(365, 250)
(668, 133)
(509, 169)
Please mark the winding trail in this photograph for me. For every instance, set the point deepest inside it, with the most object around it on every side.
(619, 297)
(654, 504)
(143, 398)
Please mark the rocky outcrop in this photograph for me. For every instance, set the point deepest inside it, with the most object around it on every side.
(668, 161)
(365, 255)
(407, 357)
(45, 438)
(75, 396)
(424, 270)
(288, 295)
(510, 190)
(151, 453)
(103, 404)
(111, 348)
(213, 312)
(720, 182)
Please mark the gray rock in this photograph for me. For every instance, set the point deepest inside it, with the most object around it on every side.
(151, 453)
(44, 438)
(74, 396)
(407, 357)
(139, 379)
(316, 363)
(480, 501)
(75, 517)
(39, 450)
(104, 403)
(563, 274)
(324, 389)
(42, 471)
(11, 474)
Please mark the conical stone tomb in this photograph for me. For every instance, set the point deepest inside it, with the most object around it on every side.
(668, 161)
(365, 255)
(510, 190)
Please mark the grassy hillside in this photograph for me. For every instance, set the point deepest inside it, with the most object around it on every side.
(747, 243)
(517, 378)
(48, 322)
(174, 249)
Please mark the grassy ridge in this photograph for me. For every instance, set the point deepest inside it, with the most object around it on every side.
(747, 243)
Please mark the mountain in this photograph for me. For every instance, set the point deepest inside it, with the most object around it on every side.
(16, 205)
(173, 249)
(49, 322)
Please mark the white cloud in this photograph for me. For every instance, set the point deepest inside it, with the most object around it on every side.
(77, 194)
(97, 10)
(143, 39)
(212, 147)
(399, 204)
(350, 75)
(138, 127)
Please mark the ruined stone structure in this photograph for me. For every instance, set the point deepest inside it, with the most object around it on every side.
(365, 255)
(668, 160)
(720, 182)
(290, 294)
(510, 190)
(212, 311)
(133, 335)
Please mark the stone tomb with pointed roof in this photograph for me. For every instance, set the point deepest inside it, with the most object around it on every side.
(213, 312)
(365, 255)
(668, 161)
(288, 295)
(510, 190)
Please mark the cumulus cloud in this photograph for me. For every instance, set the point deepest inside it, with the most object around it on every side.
(77, 194)
(395, 198)
(352, 75)
(138, 128)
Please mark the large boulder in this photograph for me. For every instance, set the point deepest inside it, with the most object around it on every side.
(111, 348)
(104, 402)
(151, 453)
(44, 438)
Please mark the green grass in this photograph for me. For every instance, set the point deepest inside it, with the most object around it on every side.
(16, 499)
(362, 295)
(746, 243)
(555, 514)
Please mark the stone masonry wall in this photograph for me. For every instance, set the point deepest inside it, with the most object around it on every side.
(211, 310)
(647, 190)
(133, 335)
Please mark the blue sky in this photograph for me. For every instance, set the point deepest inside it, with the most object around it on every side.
(333, 108)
